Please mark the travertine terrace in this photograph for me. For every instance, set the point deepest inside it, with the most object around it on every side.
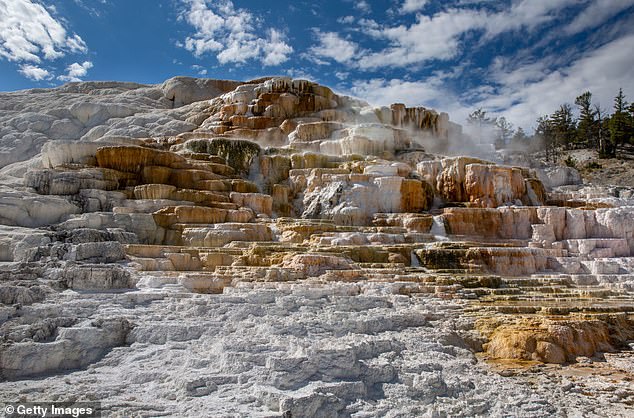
(271, 248)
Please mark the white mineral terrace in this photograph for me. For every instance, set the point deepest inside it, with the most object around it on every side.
(271, 249)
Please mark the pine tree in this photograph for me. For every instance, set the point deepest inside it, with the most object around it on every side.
(479, 120)
(586, 128)
(604, 143)
(619, 132)
(519, 136)
(504, 131)
(520, 140)
(564, 126)
(631, 124)
(545, 133)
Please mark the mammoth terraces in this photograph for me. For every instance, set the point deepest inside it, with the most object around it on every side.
(271, 248)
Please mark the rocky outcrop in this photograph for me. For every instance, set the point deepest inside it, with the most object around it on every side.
(366, 139)
(317, 264)
(507, 261)
(224, 233)
(553, 340)
(134, 159)
(185, 90)
(482, 184)
(506, 223)
(260, 203)
(352, 199)
(96, 111)
(32, 210)
(238, 154)
(559, 176)
(72, 348)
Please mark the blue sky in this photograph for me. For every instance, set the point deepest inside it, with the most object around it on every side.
(517, 58)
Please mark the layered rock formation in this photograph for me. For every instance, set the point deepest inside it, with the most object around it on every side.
(314, 237)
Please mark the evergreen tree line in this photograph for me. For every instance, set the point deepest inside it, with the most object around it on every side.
(594, 128)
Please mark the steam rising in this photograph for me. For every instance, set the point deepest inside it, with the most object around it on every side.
(340, 124)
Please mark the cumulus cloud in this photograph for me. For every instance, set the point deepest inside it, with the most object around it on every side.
(275, 50)
(199, 69)
(233, 35)
(75, 71)
(363, 6)
(31, 37)
(33, 72)
(431, 37)
(332, 46)
(413, 5)
(28, 33)
(346, 20)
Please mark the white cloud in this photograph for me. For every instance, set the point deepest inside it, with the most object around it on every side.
(435, 37)
(440, 36)
(95, 10)
(520, 91)
(508, 71)
(28, 33)
(363, 6)
(430, 93)
(526, 92)
(33, 72)
(275, 51)
(314, 58)
(526, 14)
(346, 20)
(301, 73)
(382, 92)
(332, 46)
(199, 69)
(596, 13)
(230, 33)
(75, 71)
(410, 6)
